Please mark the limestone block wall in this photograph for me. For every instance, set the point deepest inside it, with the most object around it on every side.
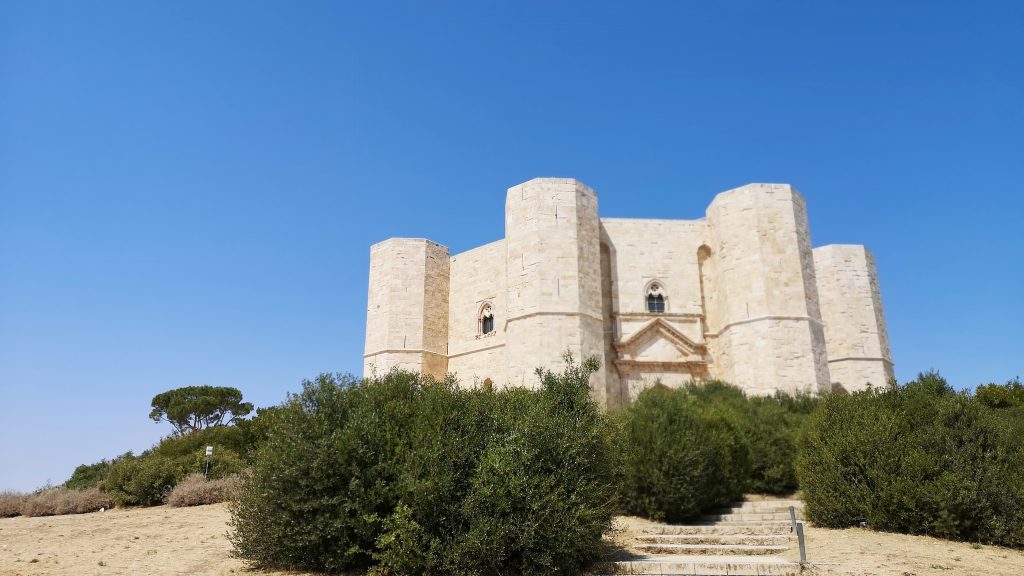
(747, 299)
(477, 278)
(407, 307)
(645, 251)
(851, 306)
(641, 252)
(554, 278)
(770, 334)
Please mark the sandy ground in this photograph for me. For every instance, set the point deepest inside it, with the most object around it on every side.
(153, 541)
(854, 551)
(166, 541)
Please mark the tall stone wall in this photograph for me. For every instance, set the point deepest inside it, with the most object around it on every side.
(642, 252)
(771, 336)
(554, 278)
(478, 278)
(851, 306)
(407, 307)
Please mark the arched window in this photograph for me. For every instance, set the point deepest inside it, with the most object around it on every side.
(655, 298)
(486, 319)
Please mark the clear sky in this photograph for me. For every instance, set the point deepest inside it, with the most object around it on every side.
(188, 190)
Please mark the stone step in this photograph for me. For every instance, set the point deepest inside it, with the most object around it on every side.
(754, 539)
(750, 517)
(749, 529)
(712, 549)
(743, 523)
(760, 505)
(756, 510)
(702, 566)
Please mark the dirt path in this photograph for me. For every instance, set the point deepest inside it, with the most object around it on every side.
(166, 541)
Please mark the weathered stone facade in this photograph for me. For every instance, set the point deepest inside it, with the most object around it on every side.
(738, 295)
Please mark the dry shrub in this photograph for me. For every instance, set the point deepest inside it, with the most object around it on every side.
(57, 501)
(195, 490)
(11, 503)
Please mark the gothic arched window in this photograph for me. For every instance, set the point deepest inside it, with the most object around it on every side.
(486, 319)
(655, 298)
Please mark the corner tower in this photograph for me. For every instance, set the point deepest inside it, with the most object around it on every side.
(553, 265)
(851, 305)
(767, 331)
(407, 307)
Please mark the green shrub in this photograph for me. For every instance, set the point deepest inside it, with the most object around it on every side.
(918, 458)
(1009, 395)
(88, 475)
(238, 438)
(770, 425)
(412, 476)
(222, 464)
(683, 452)
(142, 481)
(233, 445)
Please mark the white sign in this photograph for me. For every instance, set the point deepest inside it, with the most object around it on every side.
(209, 451)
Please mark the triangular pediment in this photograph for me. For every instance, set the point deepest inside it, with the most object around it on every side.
(659, 341)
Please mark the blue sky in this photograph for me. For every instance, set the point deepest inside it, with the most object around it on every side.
(188, 190)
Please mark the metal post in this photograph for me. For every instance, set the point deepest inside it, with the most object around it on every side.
(792, 517)
(800, 538)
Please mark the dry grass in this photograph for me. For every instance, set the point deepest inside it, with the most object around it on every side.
(58, 501)
(11, 503)
(195, 490)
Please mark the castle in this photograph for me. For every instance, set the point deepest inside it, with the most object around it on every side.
(738, 295)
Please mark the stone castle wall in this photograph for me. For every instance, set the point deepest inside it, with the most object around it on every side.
(746, 298)
(851, 306)
(477, 278)
(407, 307)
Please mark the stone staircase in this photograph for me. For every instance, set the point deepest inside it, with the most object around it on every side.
(743, 540)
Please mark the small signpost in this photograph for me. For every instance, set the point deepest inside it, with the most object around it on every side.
(209, 452)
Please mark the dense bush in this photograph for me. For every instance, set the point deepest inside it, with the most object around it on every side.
(88, 475)
(918, 458)
(195, 490)
(1010, 395)
(683, 454)
(238, 439)
(702, 446)
(413, 476)
(770, 425)
(142, 481)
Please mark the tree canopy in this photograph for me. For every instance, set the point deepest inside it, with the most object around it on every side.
(197, 407)
(1010, 395)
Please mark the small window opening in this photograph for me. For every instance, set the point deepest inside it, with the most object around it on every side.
(486, 320)
(655, 299)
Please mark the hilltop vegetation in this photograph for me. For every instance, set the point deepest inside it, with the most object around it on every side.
(408, 475)
(413, 476)
(919, 458)
(703, 446)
